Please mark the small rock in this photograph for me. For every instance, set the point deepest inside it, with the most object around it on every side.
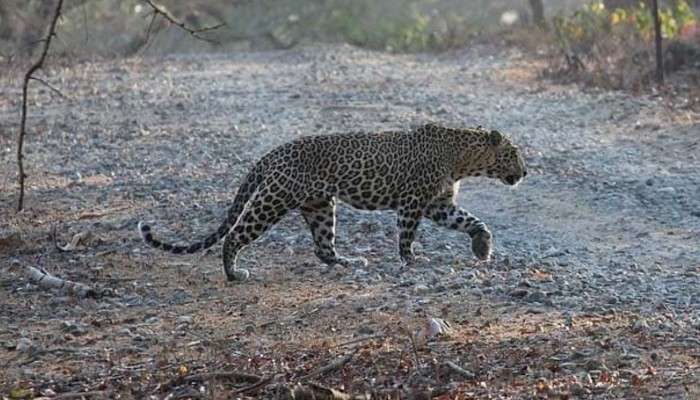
(640, 325)
(537, 296)
(434, 327)
(24, 345)
(74, 328)
(365, 330)
(440, 289)
(518, 293)
(138, 338)
(421, 289)
(525, 283)
(184, 319)
(553, 252)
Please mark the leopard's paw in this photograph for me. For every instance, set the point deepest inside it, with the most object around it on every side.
(238, 275)
(482, 245)
(415, 261)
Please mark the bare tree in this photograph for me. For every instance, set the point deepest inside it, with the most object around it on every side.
(25, 86)
(29, 75)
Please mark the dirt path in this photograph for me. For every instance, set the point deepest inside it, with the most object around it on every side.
(594, 290)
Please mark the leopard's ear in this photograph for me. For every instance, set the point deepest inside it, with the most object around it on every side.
(495, 138)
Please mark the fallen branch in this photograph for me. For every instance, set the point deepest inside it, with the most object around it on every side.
(43, 279)
(158, 10)
(25, 85)
(335, 364)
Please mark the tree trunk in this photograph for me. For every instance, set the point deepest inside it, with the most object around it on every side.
(538, 13)
(659, 50)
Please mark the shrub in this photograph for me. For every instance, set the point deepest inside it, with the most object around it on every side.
(612, 48)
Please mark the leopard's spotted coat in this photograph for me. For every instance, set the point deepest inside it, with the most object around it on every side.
(414, 172)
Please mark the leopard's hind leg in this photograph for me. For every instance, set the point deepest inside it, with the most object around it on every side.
(320, 217)
(264, 209)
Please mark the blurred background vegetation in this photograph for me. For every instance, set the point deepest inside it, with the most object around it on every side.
(603, 43)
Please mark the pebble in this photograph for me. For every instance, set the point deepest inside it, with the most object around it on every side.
(184, 319)
(74, 328)
(24, 345)
(536, 296)
(421, 289)
(640, 325)
(365, 330)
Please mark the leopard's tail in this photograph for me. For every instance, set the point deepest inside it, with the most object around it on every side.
(244, 193)
(209, 241)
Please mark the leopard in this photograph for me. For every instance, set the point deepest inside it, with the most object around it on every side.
(415, 172)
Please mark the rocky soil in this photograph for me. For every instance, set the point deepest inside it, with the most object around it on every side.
(594, 290)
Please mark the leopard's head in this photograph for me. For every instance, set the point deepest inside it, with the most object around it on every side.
(507, 164)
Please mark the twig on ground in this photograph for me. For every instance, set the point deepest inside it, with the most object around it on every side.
(358, 340)
(74, 243)
(459, 370)
(25, 86)
(233, 375)
(335, 364)
(158, 10)
(262, 382)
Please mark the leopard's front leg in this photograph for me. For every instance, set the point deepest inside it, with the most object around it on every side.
(445, 213)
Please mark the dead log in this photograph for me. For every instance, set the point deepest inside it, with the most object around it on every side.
(45, 280)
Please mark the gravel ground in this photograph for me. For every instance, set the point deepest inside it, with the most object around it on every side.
(597, 251)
